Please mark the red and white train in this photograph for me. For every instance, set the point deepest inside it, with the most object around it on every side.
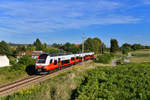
(49, 62)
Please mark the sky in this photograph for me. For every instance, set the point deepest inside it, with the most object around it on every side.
(60, 21)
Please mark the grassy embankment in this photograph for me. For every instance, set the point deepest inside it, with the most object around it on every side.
(60, 87)
(140, 56)
(7, 74)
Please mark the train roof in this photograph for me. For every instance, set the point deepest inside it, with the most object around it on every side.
(67, 54)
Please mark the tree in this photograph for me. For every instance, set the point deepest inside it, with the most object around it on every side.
(55, 45)
(26, 60)
(114, 45)
(30, 47)
(88, 45)
(93, 44)
(68, 47)
(102, 48)
(5, 49)
(21, 48)
(137, 46)
(38, 44)
(125, 48)
(97, 44)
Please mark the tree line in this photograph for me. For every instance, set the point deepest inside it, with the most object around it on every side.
(126, 47)
(90, 44)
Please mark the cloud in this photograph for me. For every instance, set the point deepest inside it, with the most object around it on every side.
(47, 16)
(147, 2)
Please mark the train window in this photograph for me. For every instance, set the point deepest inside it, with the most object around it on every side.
(77, 57)
(41, 61)
(65, 61)
(51, 61)
(59, 59)
(55, 62)
(43, 56)
(72, 58)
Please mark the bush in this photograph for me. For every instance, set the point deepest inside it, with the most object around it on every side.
(12, 60)
(124, 82)
(16, 67)
(26, 60)
(105, 58)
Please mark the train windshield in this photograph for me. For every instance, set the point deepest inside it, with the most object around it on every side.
(42, 58)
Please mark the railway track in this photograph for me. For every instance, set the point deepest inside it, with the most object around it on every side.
(10, 88)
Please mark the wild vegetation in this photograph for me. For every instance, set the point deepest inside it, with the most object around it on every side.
(124, 82)
(59, 87)
(105, 58)
(18, 69)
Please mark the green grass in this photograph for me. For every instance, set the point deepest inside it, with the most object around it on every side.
(60, 87)
(9, 75)
(124, 82)
(140, 59)
(140, 56)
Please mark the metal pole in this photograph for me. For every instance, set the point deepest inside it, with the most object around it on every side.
(83, 45)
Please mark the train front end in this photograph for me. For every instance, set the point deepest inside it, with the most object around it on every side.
(41, 63)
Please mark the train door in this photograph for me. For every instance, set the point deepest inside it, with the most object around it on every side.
(59, 67)
(55, 63)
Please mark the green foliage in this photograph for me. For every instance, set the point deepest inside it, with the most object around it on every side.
(124, 82)
(21, 48)
(11, 73)
(51, 50)
(26, 60)
(12, 60)
(137, 46)
(5, 48)
(56, 88)
(93, 44)
(114, 45)
(68, 47)
(30, 47)
(38, 44)
(17, 67)
(55, 45)
(125, 48)
(105, 58)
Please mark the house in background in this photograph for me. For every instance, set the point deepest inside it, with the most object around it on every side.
(4, 61)
(34, 54)
(77, 45)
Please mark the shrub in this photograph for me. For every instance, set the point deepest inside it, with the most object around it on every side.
(105, 58)
(26, 60)
(12, 60)
(16, 67)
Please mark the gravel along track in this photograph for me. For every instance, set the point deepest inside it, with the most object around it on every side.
(10, 88)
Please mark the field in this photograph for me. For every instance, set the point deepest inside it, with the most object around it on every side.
(124, 82)
(140, 56)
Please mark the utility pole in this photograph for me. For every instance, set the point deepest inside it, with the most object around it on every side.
(83, 37)
(101, 48)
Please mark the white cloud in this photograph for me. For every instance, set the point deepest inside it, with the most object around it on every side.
(45, 16)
